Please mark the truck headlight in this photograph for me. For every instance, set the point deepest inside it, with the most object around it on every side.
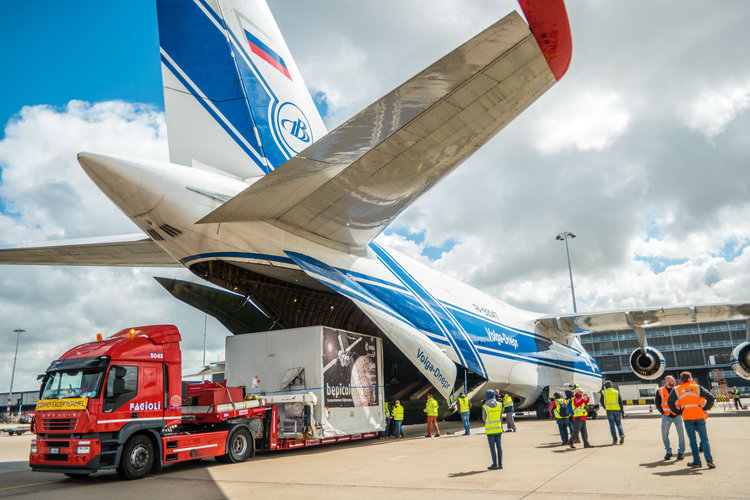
(83, 450)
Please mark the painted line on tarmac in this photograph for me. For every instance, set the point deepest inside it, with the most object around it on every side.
(26, 485)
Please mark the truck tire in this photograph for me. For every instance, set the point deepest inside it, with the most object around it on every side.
(137, 458)
(239, 446)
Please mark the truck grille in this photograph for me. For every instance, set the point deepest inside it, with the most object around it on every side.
(60, 424)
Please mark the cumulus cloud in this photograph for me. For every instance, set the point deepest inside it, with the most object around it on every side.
(47, 197)
(714, 109)
(590, 121)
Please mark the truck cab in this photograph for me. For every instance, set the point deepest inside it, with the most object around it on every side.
(98, 395)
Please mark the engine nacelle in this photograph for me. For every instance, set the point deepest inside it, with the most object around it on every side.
(740, 360)
(648, 366)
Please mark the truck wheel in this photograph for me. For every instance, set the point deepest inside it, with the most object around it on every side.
(239, 446)
(137, 458)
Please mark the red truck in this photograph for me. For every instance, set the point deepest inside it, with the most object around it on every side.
(118, 403)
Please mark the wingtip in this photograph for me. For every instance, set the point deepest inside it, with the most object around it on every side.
(548, 21)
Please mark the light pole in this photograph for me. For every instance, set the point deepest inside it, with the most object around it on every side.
(18, 333)
(564, 237)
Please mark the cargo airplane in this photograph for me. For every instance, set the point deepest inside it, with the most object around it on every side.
(262, 201)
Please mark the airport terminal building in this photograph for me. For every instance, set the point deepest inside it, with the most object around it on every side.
(697, 348)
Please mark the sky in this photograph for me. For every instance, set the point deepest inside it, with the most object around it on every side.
(641, 150)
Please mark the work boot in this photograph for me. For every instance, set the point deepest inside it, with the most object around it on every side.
(710, 464)
(694, 465)
(493, 467)
(668, 456)
(680, 456)
(428, 435)
(587, 445)
(622, 439)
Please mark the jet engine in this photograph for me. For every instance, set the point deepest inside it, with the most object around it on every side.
(740, 360)
(648, 366)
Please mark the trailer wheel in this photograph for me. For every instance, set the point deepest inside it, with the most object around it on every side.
(137, 458)
(239, 446)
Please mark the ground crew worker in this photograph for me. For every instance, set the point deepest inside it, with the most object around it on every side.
(387, 411)
(509, 411)
(692, 400)
(464, 405)
(736, 397)
(668, 418)
(580, 400)
(492, 414)
(431, 409)
(569, 407)
(612, 402)
(398, 419)
(558, 408)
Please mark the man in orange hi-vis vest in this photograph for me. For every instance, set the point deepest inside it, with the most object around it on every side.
(693, 402)
(668, 418)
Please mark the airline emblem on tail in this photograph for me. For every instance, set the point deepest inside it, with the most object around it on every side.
(293, 127)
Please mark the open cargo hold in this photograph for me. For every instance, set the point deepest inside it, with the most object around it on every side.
(325, 382)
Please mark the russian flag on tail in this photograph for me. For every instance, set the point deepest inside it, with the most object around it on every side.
(267, 54)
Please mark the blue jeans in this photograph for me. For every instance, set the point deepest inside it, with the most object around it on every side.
(666, 422)
(494, 442)
(465, 419)
(698, 426)
(615, 419)
(398, 431)
(562, 426)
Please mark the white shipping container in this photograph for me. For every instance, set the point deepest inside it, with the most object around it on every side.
(333, 379)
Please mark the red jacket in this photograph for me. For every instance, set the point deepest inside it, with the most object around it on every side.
(577, 402)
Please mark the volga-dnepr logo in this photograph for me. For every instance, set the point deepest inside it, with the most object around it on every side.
(293, 127)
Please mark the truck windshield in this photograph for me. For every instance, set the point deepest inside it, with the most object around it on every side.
(72, 384)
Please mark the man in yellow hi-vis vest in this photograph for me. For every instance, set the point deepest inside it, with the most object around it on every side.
(509, 410)
(398, 419)
(431, 409)
(610, 398)
(464, 407)
(492, 414)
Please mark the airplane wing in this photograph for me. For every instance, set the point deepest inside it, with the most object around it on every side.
(124, 250)
(349, 185)
(643, 318)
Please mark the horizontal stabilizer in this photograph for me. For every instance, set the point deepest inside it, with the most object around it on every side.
(135, 250)
(349, 185)
(645, 318)
(232, 310)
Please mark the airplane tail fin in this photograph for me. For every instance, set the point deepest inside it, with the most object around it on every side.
(234, 97)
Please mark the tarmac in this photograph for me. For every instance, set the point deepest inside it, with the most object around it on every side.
(535, 466)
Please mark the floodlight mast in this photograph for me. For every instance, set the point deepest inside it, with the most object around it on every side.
(564, 237)
(18, 333)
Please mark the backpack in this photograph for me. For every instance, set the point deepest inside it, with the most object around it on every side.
(562, 408)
